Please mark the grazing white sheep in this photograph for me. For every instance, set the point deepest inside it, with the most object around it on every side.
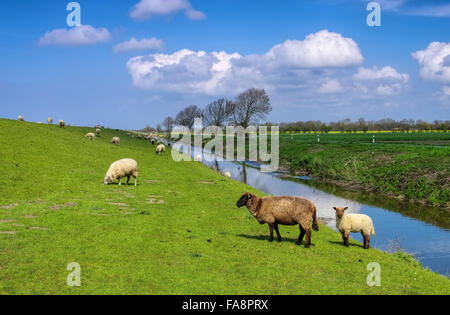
(115, 140)
(20, 118)
(98, 131)
(198, 158)
(354, 223)
(123, 168)
(227, 175)
(49, 120)
(160, 149)
(62, 124)
(90, 136)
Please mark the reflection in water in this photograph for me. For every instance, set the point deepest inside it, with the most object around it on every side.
(421, 231)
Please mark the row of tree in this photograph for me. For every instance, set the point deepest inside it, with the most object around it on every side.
(253, 105)
(361, 125)
(250, 107)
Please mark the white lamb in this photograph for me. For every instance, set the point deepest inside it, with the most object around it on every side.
(355, 223)
(115, 140)
(120, 169)
(90, 136)
(198, 158)
(160, 149)
(227, 175)
(98, 131)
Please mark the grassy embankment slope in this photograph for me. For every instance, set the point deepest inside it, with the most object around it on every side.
(409, 166)
(178, 232)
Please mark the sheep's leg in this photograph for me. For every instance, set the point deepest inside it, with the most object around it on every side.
(364, 238)
(120, 181)
(135, 181)
(345, 237)
(128, 180)
(308, 238)
(271, 232)
(300, 237)
(367, 241)
(278, 233)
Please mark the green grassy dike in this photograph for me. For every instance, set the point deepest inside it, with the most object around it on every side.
(178, 232)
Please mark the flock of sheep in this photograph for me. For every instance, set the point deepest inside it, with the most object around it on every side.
(283, 210)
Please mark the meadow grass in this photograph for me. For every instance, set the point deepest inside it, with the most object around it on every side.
(177, 232)
(412, 166)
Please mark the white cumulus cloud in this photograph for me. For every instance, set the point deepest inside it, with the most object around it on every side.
(79, 35)
(385, 81)
(434, 62)
(321, 49)
(284, 66)
(136, 45)
(185, 70)
(146, 9)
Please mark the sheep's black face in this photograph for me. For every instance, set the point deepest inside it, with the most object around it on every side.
(243, 200)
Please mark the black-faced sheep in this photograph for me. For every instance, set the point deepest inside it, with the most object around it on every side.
(123, 168)
(160, 149)
(115, 140)
(282, 210)
(62, 124)
(355, 223)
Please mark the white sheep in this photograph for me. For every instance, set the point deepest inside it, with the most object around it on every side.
(198, 158)
(90, 136)
(49, 120)
(160, 149)
(20, 118)
(120, 169)
(98, 131)
(62, 124)
(227, 175)
(115, 140)
(355, 223)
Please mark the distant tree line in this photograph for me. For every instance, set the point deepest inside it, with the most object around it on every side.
(361, 125)
(252, 106)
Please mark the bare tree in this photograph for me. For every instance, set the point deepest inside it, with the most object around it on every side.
(168, 124)
(251, 106)
(187, 116)
(218, 112)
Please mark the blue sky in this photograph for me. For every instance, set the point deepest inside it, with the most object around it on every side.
(316, 59)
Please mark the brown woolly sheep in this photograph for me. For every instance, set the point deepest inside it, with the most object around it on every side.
(282, 210)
